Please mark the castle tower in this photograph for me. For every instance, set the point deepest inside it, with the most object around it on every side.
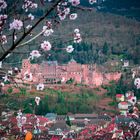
(26, 66)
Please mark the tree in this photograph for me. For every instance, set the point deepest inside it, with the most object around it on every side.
(105, 48)
(68, 122)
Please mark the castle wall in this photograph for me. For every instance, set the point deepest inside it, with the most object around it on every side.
(85, 74)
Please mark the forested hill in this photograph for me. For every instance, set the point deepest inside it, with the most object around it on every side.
(105, 37)
(128, 8)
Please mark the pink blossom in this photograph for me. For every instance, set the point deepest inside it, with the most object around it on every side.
(0, 64)
(29, 4)
(23, 120)
(69, 49)
(92, 1)
(76, 30)
(2, 84)
(73, 16)
(62, 15)
(16, 24)
(67, 11)
(47, 31)
(40, 87)
(10, 72)
(3, 4)
(3, 17)
(30, 16)
(35, 53)
(75, 2)
(37, 100)
(34, 5)
(3, 39)
(63, 79)
(77, 38)
(5, 78)
(28, 26)
(137, 83)
(28, 76)
(46, 46)
(64, 3)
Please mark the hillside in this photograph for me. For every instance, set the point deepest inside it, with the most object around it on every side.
(118, 34)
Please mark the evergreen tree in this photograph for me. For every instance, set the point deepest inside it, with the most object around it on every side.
(68, 122)
(105, 48)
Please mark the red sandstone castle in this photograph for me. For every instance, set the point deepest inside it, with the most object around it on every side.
(51, 72)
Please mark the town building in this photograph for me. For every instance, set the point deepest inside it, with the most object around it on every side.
(119, 97)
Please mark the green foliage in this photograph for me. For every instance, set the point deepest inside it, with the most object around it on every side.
(55, 101)
(7, 82)
(112, 103)
(68, 122)
(70, 81)
(27, 109)
(23, 91)
(59, 82)
(61, 109)
(39, 109)
(10, 90)
(105, 48)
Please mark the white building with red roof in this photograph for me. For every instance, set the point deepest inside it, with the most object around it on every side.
(123, 107)
(119, 97)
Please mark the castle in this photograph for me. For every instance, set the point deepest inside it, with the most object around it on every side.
(52, 72)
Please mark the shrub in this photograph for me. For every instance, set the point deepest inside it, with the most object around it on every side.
(10, 90)
(70, 81)
(23, 91)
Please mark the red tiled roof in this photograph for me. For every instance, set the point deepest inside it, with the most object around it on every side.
(129, 97)
(123, 103)
(119, 95)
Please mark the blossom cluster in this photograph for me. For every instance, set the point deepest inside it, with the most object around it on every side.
(63, 10)
(3, 39)
(29, 4)
(28, 76)
(77, 36)
(35, 54)
(40, 87)
(47, 29)
(3, 4)
(2, 20)
(137, 83)
(92, 1)
(16, 24)
(69, 49)
(37, 100)
(46, 46)
(30, 16)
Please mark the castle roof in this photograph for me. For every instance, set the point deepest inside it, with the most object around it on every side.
(50, 63)
(72, 60)
(53, 63)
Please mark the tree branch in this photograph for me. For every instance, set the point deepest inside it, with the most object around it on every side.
(29, 31)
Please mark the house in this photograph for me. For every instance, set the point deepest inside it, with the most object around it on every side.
(119, 97)
(132, 100)
(123, 107)
(125, 63)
